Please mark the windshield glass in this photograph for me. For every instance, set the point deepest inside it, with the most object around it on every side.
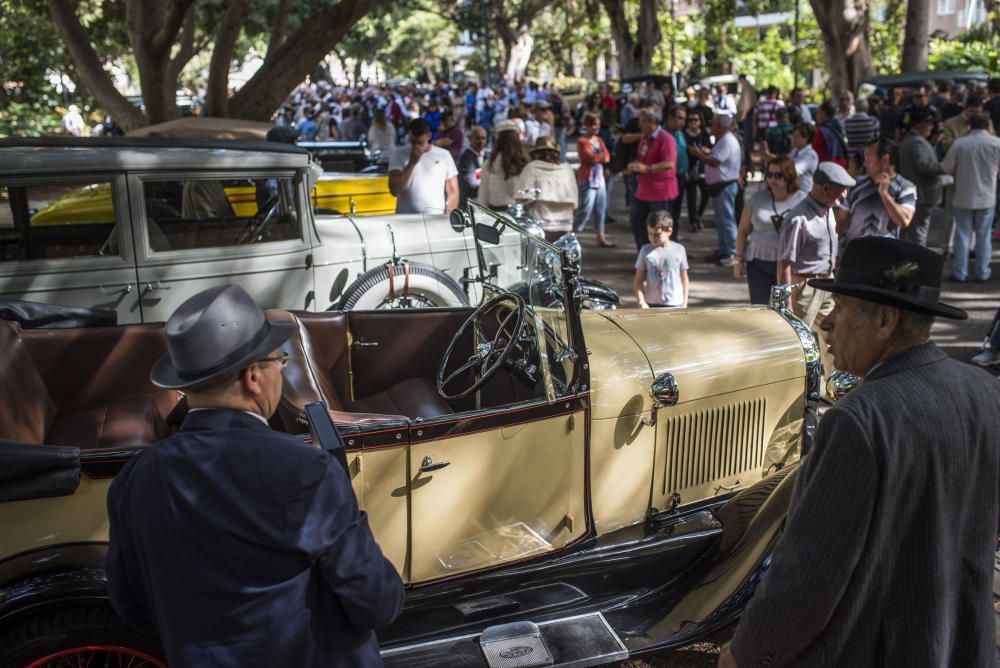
(531, 269)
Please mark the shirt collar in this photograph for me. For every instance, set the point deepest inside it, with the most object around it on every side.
(250, 413)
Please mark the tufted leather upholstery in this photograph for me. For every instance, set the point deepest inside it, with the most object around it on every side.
(26, 408)
(318, 373)
(30, 414)
(124, 422)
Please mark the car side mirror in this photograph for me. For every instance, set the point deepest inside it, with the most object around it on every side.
(664, 390)
(487, 234)
(459, 220)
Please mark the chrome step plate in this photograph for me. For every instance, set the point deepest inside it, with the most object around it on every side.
(572, 642)
(514, 645)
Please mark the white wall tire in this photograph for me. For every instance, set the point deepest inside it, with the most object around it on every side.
(426, 287)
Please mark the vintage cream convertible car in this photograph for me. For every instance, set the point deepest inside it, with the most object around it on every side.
(554, 485)
(140, 224)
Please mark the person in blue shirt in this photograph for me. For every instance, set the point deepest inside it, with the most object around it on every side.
(676, 121)
(307, 126)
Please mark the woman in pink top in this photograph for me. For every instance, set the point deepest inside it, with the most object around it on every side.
(594, 155)
(655, 167)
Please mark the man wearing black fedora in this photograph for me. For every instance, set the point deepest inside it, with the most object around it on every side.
(887, 554)
(240, 545)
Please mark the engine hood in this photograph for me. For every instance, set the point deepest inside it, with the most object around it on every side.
(709, 352)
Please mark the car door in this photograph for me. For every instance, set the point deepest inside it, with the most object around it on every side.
(506, 482)
(202, 230)
(67, 240)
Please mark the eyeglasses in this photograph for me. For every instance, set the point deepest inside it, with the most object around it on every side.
(775, 175)
(694, 118)
(281, 359)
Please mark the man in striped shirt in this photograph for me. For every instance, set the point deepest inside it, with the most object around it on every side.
(766, 112)
(860, 128)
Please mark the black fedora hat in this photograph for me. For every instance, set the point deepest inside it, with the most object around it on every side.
(893, 272)
(215, 332)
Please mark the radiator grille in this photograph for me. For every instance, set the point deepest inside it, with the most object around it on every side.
(713, 444)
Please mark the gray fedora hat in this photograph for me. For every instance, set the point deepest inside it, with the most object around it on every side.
(215, 332)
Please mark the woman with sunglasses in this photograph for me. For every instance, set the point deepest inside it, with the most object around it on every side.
(760, 224)
(695, 135)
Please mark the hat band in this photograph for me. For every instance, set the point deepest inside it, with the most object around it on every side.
(910, 288)
(232, 358)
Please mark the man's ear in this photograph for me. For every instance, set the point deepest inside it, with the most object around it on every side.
(888, 321)
(251, 380)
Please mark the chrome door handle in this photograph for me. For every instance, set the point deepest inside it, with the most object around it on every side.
(427, 465)
(124, 290)
(157, 285)
(365, 344)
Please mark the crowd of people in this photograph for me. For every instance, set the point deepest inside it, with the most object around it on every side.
(887, 553)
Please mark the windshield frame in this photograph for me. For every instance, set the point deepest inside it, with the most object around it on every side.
(578, 381)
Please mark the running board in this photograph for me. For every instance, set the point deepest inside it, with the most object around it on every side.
(572, 642)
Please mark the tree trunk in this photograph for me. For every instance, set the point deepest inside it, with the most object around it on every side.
(92, 73)
(917, 37)
(295, 58)
(217, 90)
(635, 53)
(845, 28)
(153, 28)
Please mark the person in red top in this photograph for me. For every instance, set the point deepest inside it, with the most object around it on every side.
(608, 100)
(655, 167)
(594, 155)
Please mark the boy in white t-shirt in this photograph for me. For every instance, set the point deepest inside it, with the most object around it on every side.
(423, 177)
(661, 270)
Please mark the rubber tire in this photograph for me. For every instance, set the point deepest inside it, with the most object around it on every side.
(57, 630)
(371, 289)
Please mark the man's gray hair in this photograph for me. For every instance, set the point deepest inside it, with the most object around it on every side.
(650, 115)
(861, 105)
(723, 120)
(979, 121)
(913, 325)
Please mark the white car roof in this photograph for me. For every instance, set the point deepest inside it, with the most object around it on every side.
(89, 155)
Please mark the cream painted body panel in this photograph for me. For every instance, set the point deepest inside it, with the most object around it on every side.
(621, 443)
(508, 494)
(741, 376)
(715, 351)
(379, 481)
(79, 518)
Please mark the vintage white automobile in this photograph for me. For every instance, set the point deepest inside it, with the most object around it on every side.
(140, 224)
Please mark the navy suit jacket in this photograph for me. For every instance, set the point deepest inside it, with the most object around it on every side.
(244, 546)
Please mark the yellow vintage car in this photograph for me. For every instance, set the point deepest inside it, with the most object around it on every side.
(554, 485)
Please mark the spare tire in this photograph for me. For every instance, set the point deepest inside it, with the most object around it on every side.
(409, 285)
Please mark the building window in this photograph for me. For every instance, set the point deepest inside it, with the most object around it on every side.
(945, 7)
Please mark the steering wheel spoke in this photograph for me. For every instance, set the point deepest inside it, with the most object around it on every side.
(490, 353)
(472, 362)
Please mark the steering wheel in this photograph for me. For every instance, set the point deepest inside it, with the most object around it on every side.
(490, 353)
(256, 225)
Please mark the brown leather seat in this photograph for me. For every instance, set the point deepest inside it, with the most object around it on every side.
(29, 414)
(315, 374)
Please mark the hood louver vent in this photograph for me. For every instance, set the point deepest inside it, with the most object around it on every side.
(713, 445)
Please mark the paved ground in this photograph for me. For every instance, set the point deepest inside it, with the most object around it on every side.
(712, 285)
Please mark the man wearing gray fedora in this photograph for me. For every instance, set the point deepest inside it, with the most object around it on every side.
(887, 554)
(239, 545)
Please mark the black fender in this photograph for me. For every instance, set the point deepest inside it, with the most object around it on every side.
(52, 576)
(717, 589)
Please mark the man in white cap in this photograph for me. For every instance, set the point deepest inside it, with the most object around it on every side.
(240, 545)
(807, 246)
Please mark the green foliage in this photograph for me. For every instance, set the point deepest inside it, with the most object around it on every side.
(420, 40)
(888, 26)
(976, 56)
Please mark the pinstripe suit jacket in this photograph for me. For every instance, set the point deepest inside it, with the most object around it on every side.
(887, 555)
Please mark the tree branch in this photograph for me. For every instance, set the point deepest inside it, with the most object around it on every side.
(176, 12)
(280, 27)
(295, 58)
(90, 67)
(217, 90)
(187, 46)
